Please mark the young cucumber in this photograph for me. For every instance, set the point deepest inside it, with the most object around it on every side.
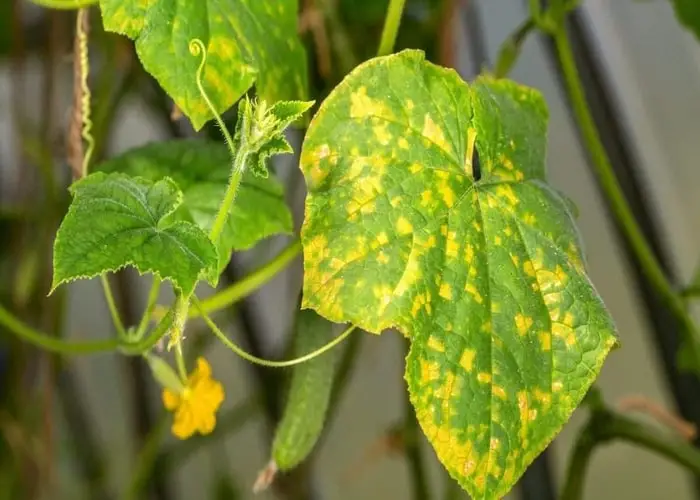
(309, 393)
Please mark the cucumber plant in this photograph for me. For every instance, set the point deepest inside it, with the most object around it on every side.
(427, 212)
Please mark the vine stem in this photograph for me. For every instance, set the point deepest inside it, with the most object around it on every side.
(48, 343)
(116, 320)
(266, 362)
(613, 191)
(64, 4)
(605, 426)
(59, 346)
(392, 21)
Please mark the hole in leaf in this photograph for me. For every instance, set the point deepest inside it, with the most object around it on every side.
(476, 165)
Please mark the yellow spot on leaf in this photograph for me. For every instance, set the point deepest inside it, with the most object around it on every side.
(395, 201)
(403, 226)
(523, 323)
(436, 344)
(506, 192)
(499, 392)
(403, 143)
(451, 247)
(429, 371)
(497, 240)
(466, 361)
(382, 134)
(529, 218)
(469, 253)
(471, 290)
(545, 341)
(446, 291)
(484, 377)
(426, 197)
(529, 268)
(448, 196)
(361, 105)
(568, 319)
(434, 133)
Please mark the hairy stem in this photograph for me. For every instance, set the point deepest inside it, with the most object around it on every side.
(391, 27)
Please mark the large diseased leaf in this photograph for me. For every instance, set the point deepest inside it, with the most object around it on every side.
(485, 275)
(247, 41)
(116, 220)
(201, 169)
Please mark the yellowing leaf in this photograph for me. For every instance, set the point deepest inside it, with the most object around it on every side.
(246, 41)
(480, 267)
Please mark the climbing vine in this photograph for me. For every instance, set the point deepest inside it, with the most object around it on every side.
(428, 211)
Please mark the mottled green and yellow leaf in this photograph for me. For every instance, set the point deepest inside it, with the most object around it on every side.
(246, 41)
(479, 265)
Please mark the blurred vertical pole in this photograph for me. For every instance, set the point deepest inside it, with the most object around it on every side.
(684, 387)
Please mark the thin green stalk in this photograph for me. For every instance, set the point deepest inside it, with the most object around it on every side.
(239, 162)
(391, 27)
(180, 361)
(138, 348)
(64, 4)
(116, 320)
(150, 305)
(536, 9)
(266, 362)
(605, 426)
(250, 283)
(615, 196)
(578, 466)
(52, 344)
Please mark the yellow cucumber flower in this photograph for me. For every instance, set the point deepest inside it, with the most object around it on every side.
(195, 406)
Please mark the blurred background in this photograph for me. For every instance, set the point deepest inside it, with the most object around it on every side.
(76, 428)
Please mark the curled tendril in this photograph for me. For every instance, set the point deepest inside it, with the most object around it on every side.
(197, 48)
(85, 99)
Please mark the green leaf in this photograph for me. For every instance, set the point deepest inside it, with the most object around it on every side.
(688, 13)
(246, 41)
(201, 169)
(116, 220)
(484, 276)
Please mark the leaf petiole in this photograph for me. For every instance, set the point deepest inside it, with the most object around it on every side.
(150, 306)
(116, 320)
(391, 27)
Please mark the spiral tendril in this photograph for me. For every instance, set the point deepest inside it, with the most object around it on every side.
(85, 99)
(197, 48)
